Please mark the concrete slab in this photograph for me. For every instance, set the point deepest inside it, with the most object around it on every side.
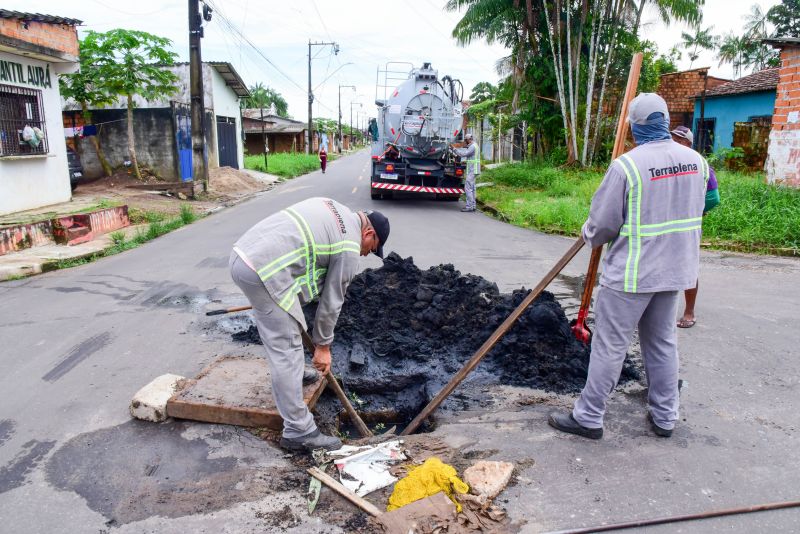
(235, 390)
(150, 402)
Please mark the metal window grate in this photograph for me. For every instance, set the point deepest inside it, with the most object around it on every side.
(20, 107)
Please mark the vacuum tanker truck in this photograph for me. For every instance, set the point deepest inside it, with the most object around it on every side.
(417, 121)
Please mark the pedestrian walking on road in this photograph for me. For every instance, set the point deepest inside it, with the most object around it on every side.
(684, 136)
(472, 158)
(649, 209)
(309, 250)
(323, 158)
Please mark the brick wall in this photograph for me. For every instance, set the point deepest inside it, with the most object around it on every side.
(783, 160)
(60, 37)
(679, 90)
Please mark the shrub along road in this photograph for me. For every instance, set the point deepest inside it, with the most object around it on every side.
(78, 343)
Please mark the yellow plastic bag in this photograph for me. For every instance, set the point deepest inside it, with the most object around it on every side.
(425, 480)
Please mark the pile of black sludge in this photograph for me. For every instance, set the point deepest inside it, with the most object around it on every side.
(404, 332)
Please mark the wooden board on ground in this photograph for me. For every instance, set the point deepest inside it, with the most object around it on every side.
(235, 390)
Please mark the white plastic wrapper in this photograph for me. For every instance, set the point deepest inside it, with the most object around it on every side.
(368, 469)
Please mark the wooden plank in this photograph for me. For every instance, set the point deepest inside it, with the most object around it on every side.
(235, 391)
(336, 486)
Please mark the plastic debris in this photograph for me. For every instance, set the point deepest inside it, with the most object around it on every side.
(366, 469)
(425, 480)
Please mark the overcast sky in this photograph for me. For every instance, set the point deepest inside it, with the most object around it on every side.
(369, 34)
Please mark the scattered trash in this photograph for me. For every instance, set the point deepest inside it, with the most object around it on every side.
(368, 469)
(488, 478)
(425, 480)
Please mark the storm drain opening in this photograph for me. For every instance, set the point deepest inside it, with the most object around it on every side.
(404, 332)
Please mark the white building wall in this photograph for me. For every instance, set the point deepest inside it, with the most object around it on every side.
(28, 182)
(226, 104)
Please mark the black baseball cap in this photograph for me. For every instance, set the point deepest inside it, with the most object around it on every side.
(381, 225)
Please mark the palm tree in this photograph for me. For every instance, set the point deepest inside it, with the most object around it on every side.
(701, 40)
(732, 50)
(688, 11)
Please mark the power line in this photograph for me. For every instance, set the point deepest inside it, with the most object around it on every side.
(313, 3)
(236, 30)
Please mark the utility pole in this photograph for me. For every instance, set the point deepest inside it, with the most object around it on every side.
(310, 135)
(340, 114)
(351, 119)
(700, 145)
(199, 161)
(264, 136)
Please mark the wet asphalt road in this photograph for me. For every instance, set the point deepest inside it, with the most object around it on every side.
(78, 343)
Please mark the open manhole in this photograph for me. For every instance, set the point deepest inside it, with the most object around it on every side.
(404, 332)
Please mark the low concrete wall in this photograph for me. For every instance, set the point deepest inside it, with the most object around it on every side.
(66, 230)
(154, 133)
(25, 236)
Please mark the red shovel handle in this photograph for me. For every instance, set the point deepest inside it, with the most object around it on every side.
(579, 329)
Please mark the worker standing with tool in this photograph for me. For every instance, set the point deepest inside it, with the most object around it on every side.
(306, 251)
(649, 210)
(473, 161)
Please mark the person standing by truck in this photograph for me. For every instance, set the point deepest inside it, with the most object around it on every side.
(309, 250)
(472, 158)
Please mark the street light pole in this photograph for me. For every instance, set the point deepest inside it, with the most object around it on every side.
(340, 113)
(310, 136)
(351, 119)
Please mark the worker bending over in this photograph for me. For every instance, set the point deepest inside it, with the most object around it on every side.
(649, 209)
(307, 251)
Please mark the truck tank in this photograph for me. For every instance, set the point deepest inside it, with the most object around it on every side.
(417, 121)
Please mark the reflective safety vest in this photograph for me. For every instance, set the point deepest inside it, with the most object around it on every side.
(650, 208)
(471, 157)
(307, 251)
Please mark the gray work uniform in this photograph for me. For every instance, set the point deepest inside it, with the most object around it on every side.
(649, 210)
(473, 164)
(307, 251)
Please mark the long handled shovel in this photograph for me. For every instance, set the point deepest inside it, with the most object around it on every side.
(580, 330)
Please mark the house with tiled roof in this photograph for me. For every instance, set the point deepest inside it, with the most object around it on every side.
(736, 113)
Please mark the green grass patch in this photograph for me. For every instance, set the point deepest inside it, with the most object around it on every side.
(188, 215)
(285, 164)
(752, 215)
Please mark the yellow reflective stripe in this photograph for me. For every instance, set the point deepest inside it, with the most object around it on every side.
(288, 300)
(338, 250)
(662, 232)
(308, 239)
(671, 230)
(280, 264)
(338, 244)
(631, 220)
(626, 227)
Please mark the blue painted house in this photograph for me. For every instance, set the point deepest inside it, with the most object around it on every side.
(748, 99)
